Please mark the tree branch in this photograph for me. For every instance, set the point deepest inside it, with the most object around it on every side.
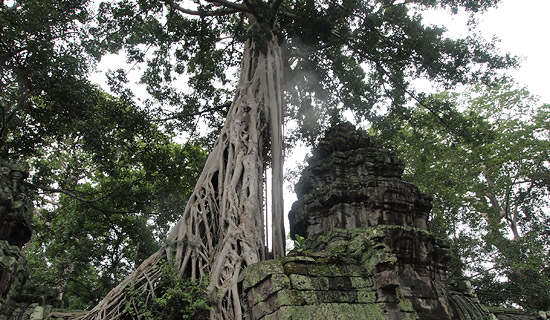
(229, 5)
(491, 193)
(396, 83)
(287, 14)
(275, 5)
(181, 9)
(49, 201)
(67, 192)
(192, 114)
(90, 202)
(514, 223)
(4, 124)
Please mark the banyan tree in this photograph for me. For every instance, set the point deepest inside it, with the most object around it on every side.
(302, 60)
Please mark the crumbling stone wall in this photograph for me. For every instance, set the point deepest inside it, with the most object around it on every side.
(344, 274)
(368, 253)
(353, 274)
(15, 205)
(15, 230)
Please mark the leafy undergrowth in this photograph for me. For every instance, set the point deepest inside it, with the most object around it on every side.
(175, 298)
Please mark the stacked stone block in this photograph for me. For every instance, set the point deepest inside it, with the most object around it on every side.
(343, 274)
(368, 253)
(351, 183)
(15, 230)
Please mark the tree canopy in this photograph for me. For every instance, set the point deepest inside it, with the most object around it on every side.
(337, 55)
(109, 181)
(487, 164)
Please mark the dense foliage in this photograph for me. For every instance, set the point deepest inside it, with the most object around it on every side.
(350, 54)
(109, 181)
(484, 154)
(88, 241)
(175, 299)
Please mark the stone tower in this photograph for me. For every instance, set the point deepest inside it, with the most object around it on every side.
(367, 254)
(350, 183)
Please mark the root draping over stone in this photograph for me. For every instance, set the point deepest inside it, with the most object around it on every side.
(222, 230)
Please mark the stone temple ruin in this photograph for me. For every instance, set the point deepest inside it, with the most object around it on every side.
(15, 231)
(367, 255)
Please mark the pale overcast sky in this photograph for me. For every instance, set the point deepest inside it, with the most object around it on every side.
(522, 27)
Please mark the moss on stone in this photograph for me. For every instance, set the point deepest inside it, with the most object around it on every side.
(254, 297)
(279, 282)
(360, 282)
(292, 298)
(366, 296)
(333, 311)
(403, 303)
(297, 258)
(37, 313)
(255, 273)
(296, 268)
(321, 269)
(301, 282)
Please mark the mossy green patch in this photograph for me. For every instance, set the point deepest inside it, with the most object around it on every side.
(321, 270)
(301, 282)
(279, 281)
(366, 296)
(296, 268)
(333, 311)
(360, 282)
(404, 303)
(255, 273)
(292, 298)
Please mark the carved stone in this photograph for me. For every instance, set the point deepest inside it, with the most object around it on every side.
(15, 205)
(351, 183)
(367, 254)
(15, 231)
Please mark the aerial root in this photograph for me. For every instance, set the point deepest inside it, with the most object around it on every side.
(221, 230)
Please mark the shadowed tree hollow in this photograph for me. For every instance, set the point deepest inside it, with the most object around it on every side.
(305, 61)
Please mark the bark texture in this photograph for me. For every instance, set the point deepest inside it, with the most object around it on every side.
(222, 230)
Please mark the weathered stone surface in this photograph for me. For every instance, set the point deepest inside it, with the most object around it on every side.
(367, 254)
(351, 183)
(256, 273)
(13, 271)
(15, 204)
(356, 272)
(15, 231)
(302, 282)
(333, 311)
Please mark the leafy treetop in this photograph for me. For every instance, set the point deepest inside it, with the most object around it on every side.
(488, 167)
(348, 54)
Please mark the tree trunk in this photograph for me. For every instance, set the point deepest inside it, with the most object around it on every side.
(222, 230)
